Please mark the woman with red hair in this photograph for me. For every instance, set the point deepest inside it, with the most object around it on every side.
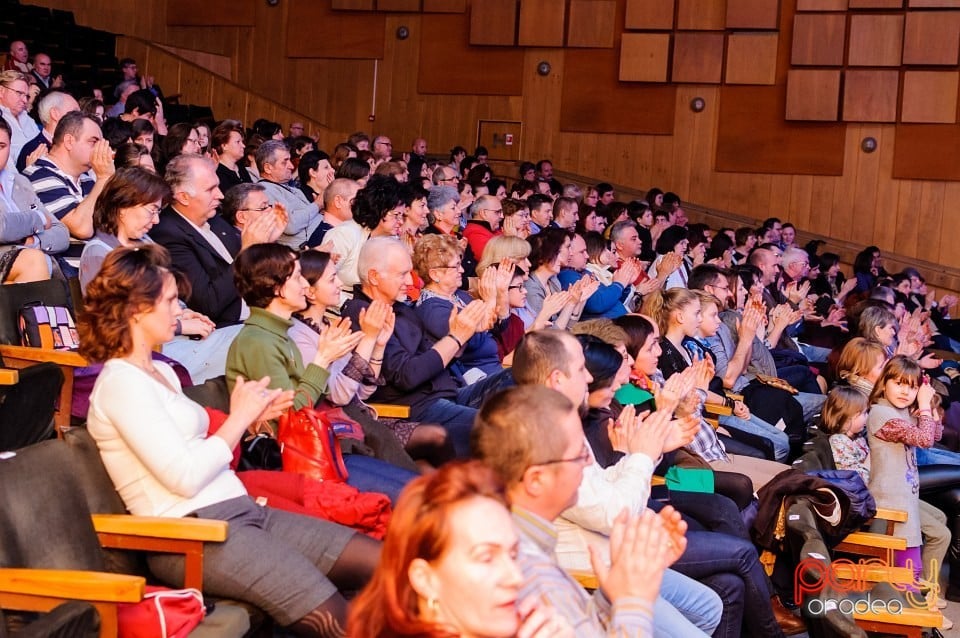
(447, 567)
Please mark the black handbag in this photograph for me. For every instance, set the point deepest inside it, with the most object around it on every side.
(260, 452)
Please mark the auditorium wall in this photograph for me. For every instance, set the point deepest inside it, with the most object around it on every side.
(788, 97)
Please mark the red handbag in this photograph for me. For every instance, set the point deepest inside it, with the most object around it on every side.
(309, 445)
(163, 613)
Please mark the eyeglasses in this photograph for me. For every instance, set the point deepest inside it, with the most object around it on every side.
(583, 458)
(22, 94)
(396, 214)
(258, 210)
(456, 266)
(517, 287)
(450, 179)
(154, 212)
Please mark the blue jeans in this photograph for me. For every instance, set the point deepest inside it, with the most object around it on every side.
(936, 456)
(685, 607)
(759, 427)
(456, 414)
(731, 566)
(811, 404)
(815, 354)
(369, 474)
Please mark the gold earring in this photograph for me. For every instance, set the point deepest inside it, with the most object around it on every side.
(433, 604)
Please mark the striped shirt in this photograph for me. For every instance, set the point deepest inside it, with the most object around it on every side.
(59, 192)
(543, 578)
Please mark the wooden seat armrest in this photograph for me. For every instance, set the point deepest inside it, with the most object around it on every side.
(717, 409)
(71, 584)
(9, 377)
(391, 411)
(187, 529)
(733, 396)
(587, 580)
(869, 539)
(40, 355)
(898, 516)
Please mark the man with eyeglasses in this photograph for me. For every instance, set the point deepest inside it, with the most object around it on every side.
(382, 148)
(554, 359)
(445, 176)
(486, 215)
(13, 106)
(276, 169)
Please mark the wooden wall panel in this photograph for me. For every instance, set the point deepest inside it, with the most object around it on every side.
(927, 152)
(608, 105)
(493, 22)
(752, 58)
(697, 15)
(821, 5)
(929, 96)
(649, 14)
(753, 137)
(444, 6)
(870, 96)
(644, 57)
(697, 57)
(813, 94)
(876, 4)
(753, 14)
(219, 13)
(399, 5)
(314, 30)
(541, 23)
(353, 5)
(875, 40)
(591, 23)
(445, 38)
(951, 4)
(931, 37)
(818, 39)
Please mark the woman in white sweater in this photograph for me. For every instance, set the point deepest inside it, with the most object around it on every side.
(155, 445)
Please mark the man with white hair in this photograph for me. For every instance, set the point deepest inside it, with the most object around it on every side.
(53, 106)
(415, 368)
(202, 245)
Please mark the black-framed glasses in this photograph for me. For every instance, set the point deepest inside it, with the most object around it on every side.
(517, 287)
(257, 210)
(22, 94)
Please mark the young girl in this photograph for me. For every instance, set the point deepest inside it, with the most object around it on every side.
(902, 418)
(844, 418)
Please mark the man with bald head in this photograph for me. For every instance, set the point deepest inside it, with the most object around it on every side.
(43, 72)
(17, 58)
(382, 148)
(53, 106)
(337, 208)
(418, 157)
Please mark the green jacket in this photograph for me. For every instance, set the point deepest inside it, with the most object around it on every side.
(262, 348)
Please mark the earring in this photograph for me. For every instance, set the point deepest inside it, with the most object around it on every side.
(433, 605)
